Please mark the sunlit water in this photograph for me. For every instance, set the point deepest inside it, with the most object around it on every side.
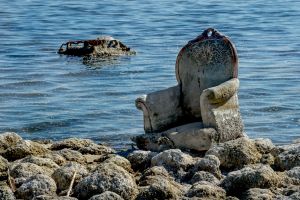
(45, 95)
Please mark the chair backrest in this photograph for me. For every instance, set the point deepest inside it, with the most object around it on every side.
(204, 62)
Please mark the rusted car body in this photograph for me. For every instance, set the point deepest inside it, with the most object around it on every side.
(101, 47)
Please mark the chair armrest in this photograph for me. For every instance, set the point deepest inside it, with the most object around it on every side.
(161, 109)
(220, 110)
(222, 92)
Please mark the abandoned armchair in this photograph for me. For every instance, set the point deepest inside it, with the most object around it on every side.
(203, 108)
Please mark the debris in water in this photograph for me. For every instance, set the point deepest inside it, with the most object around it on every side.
(105, 46)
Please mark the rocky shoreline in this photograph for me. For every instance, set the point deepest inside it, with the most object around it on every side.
(81, 169)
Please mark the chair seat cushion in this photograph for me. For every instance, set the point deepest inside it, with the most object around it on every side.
(191, 136)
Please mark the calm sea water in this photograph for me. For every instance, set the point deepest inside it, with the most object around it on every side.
(45, 95)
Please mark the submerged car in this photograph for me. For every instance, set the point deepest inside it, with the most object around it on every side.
(101, 47)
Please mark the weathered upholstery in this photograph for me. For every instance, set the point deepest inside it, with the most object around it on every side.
(203, 108)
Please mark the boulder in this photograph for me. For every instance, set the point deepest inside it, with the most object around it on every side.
(156, 183)
(287, 156)
(22, 149)
(120, 161)
(209, 163)
(267, 159)
(206, 190)
(140, 160)
(204, 176)
(264, 145)
(292, 189)
(175, 161)
(108, 195)
(96, 149)
(8, 139)
(295, 196)
(93, 159)
(153, 171)
(56, 157)
(22, 171)
(107, 177)
(258, 193)
(3, 168)
(5, 192)
(36, 185)
(64, 175)
(46, 164)
(294, 173)
(71, 155)
(161, 189)
(47, 197)
(287, 192)
(42, 162)
(231, 198)
(236, 153)
(255, 176)
(71, 143)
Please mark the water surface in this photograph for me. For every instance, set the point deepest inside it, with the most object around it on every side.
(45, 95)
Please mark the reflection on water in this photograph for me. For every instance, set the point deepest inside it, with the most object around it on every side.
(46, 95)
(93, 62)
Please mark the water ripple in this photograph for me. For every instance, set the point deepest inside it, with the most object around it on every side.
(45, 95)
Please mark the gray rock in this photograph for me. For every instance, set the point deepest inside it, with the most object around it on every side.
(71, 155)
(295, 196)
(140, 159)
(288, 157)
(156, 183)
(56, 157)
(236, 153)
(96, 149)
(267, 159)
(22, 171)
(153, 171)
(35, 186)
(264, 145)
(3, 168)
(8, 139)
(287, 192)
(294, 173)
(42, 162)
(231, 198)
(108, 177)
(63, 176)
(209, 163)
(47, 197)
(204, 176)
(120, 161)
(205, 190)
(71, 143)
(258, 193)
(160, 189)
(108, 195)
(5, 192)
(292, 189)
(287, 178)
(175, 161)
(173, 158)
(255, 176)
(22, 149)
(47, 165)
